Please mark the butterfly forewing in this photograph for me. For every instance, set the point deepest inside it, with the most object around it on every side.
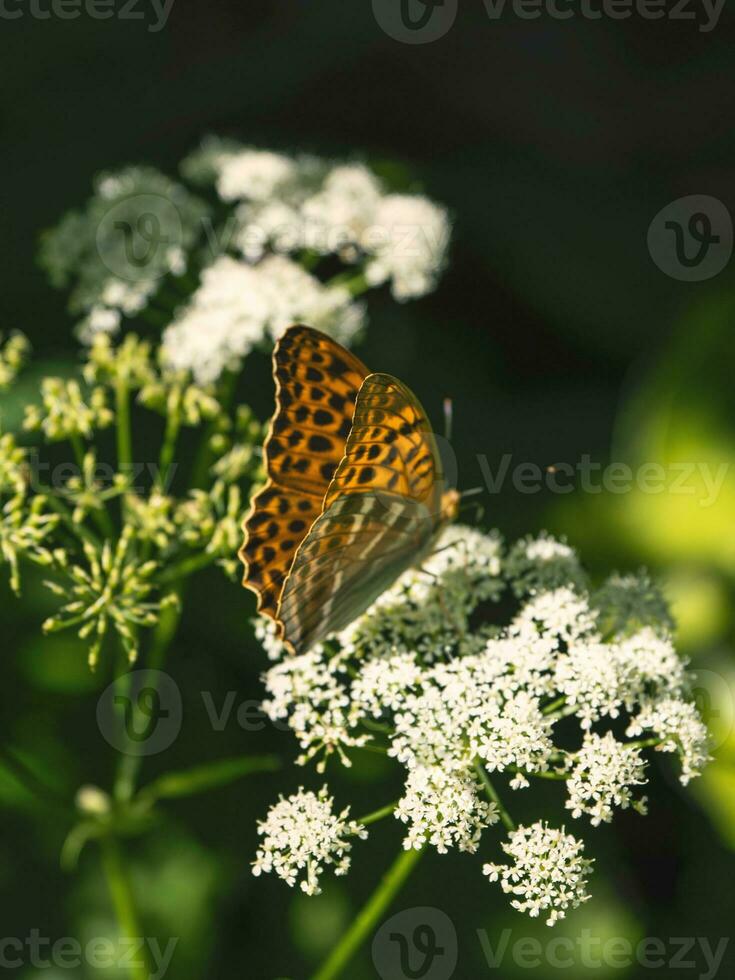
(317, 382)
(316, 387)
(380, 514)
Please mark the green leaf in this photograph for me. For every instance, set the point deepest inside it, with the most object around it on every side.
(202, 778)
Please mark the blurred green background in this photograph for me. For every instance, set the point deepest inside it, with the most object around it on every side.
(554, 143)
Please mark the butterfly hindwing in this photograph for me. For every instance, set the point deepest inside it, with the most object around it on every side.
(316, 387)
(350, 556)
(380, 514)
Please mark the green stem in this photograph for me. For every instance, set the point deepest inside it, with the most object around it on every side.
(493, 796)
(370, 747)
(166, 458)
(186, 567)
(644, 743)
(124, 433)
(539, 775)
(163, 636)
(376, 815)
(354, 282)
(100, 517)
(369, 916)
(124, 904)
(204, 457)
(83, 533)
(78, 446)
(555, 705)
(129, 765)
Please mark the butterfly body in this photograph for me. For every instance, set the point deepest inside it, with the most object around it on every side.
(354, 492)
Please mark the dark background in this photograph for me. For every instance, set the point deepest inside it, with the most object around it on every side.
(553, 144)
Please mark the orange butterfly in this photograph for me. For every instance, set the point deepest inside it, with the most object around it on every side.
(354, 493)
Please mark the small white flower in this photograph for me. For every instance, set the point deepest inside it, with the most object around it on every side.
(548, 875)
(302, 836)
(547, 548)
(383, 684)
(408, 242)
(253, 174)
(603, 774)
(561, 614)
(542, 564)
(101, 319)
(266, 633)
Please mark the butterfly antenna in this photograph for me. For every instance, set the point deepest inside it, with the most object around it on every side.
(448, 418)
(471, 493)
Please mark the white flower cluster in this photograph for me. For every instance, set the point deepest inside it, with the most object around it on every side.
(603, 775)
(600, 679)
(543, 563)
(443, 808)
(138, 229)
(234, 274)
(290, 205)
(309, 692)
(302, 836)
(119, 298)
(432, 676)
(680, 728)
(253, 174)
(548, 874)
(239, 307)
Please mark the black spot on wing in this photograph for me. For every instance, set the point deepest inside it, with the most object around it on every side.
(320, 444)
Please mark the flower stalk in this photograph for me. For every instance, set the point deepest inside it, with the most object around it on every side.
(369, 916)
(123, 903)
